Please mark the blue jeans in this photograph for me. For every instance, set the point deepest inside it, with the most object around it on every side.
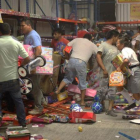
(76, 68)
(13, 88)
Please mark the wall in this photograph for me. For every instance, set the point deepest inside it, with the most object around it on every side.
(123, 14)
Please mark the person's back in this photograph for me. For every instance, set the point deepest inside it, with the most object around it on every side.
(82, 49)
(10, 49)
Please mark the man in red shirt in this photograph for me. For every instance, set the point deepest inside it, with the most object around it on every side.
(58, 43)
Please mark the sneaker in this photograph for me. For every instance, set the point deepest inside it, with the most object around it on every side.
(111, 113)
(130, 106)
(23, 125)
(35, 111)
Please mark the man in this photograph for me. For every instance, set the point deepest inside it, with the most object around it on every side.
(82, 50)
(31, 37)
(106, 53)
(10, 49)
(58, 43)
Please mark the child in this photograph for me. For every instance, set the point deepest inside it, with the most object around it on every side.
(130, 60)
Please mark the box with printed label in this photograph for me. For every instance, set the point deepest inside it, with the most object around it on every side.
(117, 62)
(47, 69)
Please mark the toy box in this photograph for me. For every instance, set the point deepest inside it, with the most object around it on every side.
(117, 62)
(116, 79)
(133, 111)
(47, 69)
(41, 120)
(82, 117)
(62, 96)
(17, 133)
(58, 117)
(75, 89)
(9, 117)
(29, 50)
(47, 53)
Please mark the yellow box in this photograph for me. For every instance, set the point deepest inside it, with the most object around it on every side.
(62, 96)
(117, 62)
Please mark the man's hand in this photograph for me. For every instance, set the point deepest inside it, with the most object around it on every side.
(119, 69)
(25, 61)
(105, 73)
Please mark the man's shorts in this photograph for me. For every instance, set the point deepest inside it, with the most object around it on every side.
(76, 68)
(105, 91)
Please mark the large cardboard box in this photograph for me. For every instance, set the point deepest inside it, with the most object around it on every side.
(46, 84)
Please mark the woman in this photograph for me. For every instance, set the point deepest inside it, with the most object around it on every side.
(130, 60)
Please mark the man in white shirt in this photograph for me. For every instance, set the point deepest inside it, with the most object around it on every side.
(82, 50)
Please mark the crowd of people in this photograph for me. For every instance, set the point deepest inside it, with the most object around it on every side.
(82, 50)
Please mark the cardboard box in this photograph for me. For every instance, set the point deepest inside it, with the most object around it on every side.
(46, 85)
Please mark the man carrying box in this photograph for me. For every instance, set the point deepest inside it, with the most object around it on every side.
(10, 49)
(32, 38)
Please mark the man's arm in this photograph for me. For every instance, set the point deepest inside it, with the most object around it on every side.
(37, 45)
(100, 62)
(37, 51)
(25, 61)
(137, 45)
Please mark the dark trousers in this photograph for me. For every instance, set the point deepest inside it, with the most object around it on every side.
(13, 88)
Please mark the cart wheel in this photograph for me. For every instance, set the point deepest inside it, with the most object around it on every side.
(26, 87)
(22, 71)
(42, 61)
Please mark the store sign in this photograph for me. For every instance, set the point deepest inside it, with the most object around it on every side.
(134, 11)
(128, 1)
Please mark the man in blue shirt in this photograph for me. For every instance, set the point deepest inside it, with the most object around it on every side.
(32, 38)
